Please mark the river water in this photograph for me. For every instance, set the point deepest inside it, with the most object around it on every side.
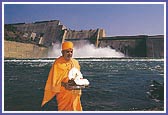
(115, 84)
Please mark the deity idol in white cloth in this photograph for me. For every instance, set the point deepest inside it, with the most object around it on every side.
(77, 77)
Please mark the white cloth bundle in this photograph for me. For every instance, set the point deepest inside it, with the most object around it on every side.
(76, 75)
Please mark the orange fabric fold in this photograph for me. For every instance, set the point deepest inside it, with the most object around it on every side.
(68, 100)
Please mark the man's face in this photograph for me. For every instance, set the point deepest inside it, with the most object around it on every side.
(67, 54)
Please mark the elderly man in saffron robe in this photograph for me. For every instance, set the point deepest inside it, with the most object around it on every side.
(67, 99)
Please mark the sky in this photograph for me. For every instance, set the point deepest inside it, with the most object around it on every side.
(116, 19)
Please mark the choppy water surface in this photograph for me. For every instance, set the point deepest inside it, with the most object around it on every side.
(115, 84)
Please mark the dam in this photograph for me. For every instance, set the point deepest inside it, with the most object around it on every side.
(34, 40)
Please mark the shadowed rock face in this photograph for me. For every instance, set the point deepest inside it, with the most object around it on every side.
(47, 33)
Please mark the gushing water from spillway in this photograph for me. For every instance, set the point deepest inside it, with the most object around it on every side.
(87, 51)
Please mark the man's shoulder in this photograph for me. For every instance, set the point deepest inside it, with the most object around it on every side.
(57, 60)
(61, 59)
(74, 60)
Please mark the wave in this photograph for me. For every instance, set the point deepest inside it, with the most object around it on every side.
(85, 59)
(28, 60)
(118, 59)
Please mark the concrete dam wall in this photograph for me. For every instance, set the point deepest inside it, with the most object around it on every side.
(136, 46)
(44, 34)
(22, 50)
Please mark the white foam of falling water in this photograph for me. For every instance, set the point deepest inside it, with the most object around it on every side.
(87, 51)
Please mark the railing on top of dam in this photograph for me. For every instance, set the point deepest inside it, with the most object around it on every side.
(74, 39)
(109, 38)
(120, 38)
(123, 38)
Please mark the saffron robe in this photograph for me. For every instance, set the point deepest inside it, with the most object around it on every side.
(67, 100)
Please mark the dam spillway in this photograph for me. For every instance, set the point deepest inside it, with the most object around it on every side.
(46, 33)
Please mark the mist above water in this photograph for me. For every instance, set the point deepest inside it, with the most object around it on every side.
(87, 51)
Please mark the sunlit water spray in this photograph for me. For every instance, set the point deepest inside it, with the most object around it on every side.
(87, 51)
